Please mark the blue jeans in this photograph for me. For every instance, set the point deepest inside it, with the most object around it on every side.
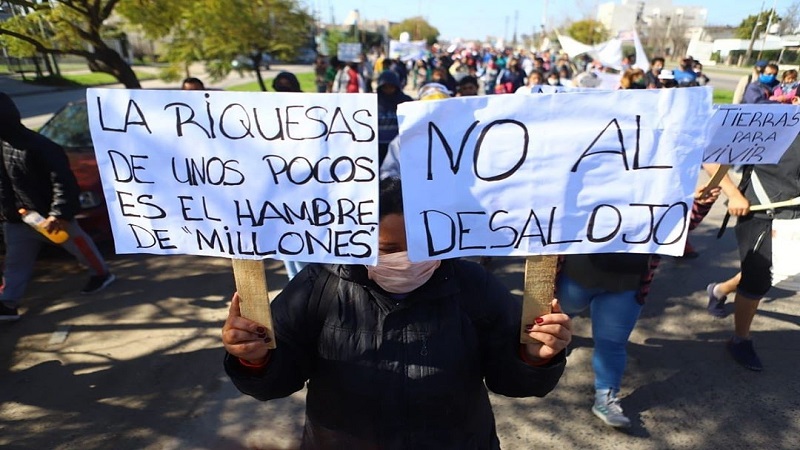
(614, 314)
(22, 248)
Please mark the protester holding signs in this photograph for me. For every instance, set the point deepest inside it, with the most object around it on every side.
(397, 355)
(35, 176)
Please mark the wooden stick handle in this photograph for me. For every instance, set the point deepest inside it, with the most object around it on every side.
(251, 283)
(540, 284)
(717, 178)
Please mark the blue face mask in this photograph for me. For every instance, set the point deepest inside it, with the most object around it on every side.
(766, 78)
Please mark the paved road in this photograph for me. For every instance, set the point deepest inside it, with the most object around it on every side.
(138, 366)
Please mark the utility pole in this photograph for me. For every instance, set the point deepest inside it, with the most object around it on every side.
(516, 21)
(766, 31)
(749, 52)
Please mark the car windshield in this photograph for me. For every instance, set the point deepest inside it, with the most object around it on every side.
(70, 127)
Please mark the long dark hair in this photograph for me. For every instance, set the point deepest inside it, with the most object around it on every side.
(390, 198)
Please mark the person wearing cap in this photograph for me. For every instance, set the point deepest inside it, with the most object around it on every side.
(667, 78)
(35, 176)
(390, 167)
(390, 94)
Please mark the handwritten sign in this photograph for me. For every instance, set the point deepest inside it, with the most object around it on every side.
(606, 171)
(349, 52)
(751, 133)
(240, 175)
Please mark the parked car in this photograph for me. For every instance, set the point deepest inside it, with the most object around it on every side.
(306, 55)
(244, 62)
(69, 127)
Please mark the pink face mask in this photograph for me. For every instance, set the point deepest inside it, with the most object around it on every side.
(397, 275)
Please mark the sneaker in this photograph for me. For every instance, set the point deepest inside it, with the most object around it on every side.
(97, 283)
(607, 408)
(8, 314)
(744, 354)
(716, 305)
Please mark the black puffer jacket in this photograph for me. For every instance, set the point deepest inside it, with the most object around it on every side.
(405, 374)
(35, 172)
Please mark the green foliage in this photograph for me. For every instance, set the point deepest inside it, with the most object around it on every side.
(745, 30)
(333, 38)
(307, 84)
(723, 96)
(418, 28)
(588, 31)
(76, 27)
(217, 31)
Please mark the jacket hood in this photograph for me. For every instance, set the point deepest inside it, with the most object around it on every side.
(286, 82)
(10, 121)
(389, 77)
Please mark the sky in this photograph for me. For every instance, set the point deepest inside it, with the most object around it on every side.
(475, 19)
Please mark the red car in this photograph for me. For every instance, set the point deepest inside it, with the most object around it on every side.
(69, 127)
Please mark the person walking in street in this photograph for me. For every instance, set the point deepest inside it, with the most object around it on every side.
(761, 184)
(35, 176)
(614, 286)
(398, 355)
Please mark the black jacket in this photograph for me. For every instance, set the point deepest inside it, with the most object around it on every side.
(397, 374)
(35, 172)
(780, 181)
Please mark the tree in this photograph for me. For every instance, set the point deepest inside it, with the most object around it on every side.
(418, 28)
(745, 30)
(218, 31)
(67, 27)
(588, 31)
(791, 19)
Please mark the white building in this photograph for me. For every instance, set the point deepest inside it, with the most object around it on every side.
(649, 13)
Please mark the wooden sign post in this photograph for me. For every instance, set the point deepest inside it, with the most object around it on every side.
(715, 180)
(540, 282)
(251, 283)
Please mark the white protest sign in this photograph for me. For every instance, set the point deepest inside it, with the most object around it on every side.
(590, 172)
(751, 133)
(550, 89)
(240, 175)
(349, 52)
(407, 51)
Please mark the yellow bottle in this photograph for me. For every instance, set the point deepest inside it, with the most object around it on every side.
(36, 220)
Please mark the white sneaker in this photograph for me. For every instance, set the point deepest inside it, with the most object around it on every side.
(607, 408)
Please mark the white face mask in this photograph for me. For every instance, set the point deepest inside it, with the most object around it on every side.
(552, 81)
(397, 275)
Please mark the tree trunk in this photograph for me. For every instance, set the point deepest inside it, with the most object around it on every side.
(260, 79)
(109, 61)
